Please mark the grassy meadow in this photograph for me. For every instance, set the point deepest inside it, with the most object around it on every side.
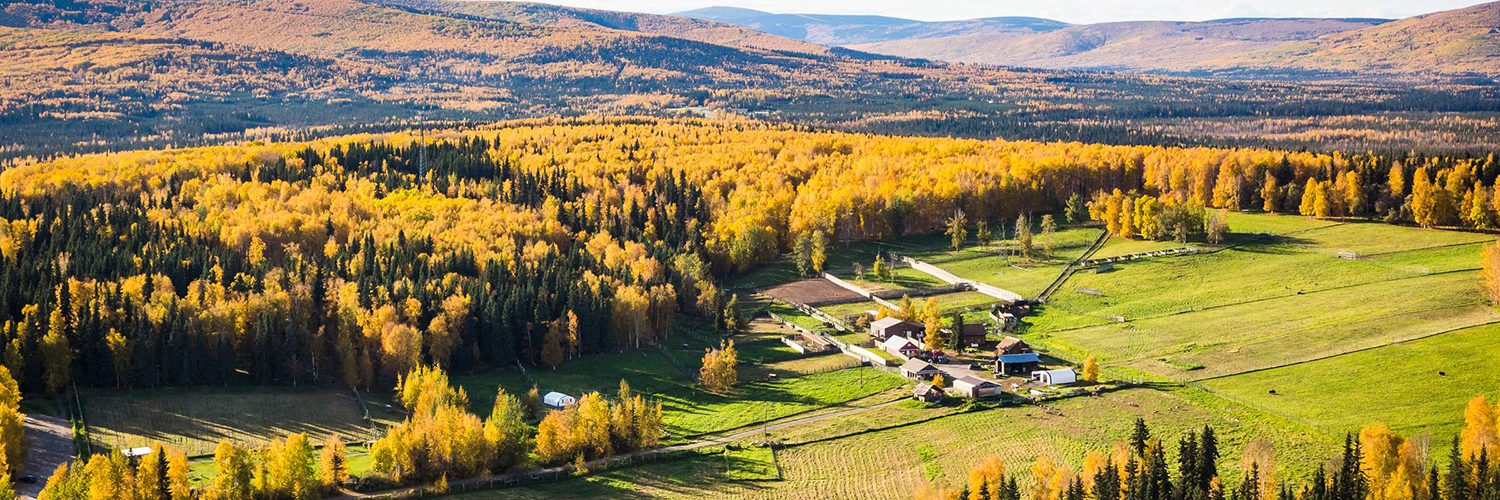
(195, 420)
(1417, 386)
(1268, 301)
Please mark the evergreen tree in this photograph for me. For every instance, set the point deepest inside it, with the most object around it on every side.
(1139, 437)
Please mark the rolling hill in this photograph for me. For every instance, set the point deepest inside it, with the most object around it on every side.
(1145, 46)
(1462, 41)
(856, 30)
(674, 26)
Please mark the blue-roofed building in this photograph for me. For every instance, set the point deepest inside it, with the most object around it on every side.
(1017, 364)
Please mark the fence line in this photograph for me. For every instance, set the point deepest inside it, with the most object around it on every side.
(524, 374)
(374, 432)
(1141, 255)
(942, 274)
(861, 291)
(1072, 268)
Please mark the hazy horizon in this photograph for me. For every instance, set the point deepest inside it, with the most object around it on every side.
(1072, 11)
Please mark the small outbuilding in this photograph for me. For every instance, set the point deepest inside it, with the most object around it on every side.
(885, 328)
(558, 400)
(927, 393)
(1062, 376)
(901, 346)
(917, 369)
(975, 387)
(1017, 364)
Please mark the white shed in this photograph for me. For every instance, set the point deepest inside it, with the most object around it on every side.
(1063, 376)
(558, 400)
(137, 452)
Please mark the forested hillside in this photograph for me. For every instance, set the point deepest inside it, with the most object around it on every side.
(347, 259)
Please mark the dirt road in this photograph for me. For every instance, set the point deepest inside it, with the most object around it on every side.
(51, 446)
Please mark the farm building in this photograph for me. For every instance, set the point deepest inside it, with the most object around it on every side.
(558, 400)
(1012, 345)
(885, 328)
(1062, 376)
(901, 346)
(972, 334)
(975, 387)
(927, 393)
(917, 369)
(1017, 364)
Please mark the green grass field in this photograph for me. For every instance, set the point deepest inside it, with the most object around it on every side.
(1417, 386)
(195, 420)
(1268, 302)
(750, 463)
(689, 411)
(851, 308)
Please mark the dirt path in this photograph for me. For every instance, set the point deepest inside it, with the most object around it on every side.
(51, 446)
(456, 485)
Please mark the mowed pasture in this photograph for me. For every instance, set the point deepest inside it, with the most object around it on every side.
(1269, 301)
(1418, 386)
(845, 459)
(195, 420)
(1000, 265)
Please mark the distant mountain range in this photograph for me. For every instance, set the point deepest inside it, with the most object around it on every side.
(83, 75)
(1463, 42)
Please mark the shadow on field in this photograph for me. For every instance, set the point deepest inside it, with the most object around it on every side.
(1267, 245)
(694, 402)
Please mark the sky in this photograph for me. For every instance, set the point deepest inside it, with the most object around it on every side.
(1073, 11)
